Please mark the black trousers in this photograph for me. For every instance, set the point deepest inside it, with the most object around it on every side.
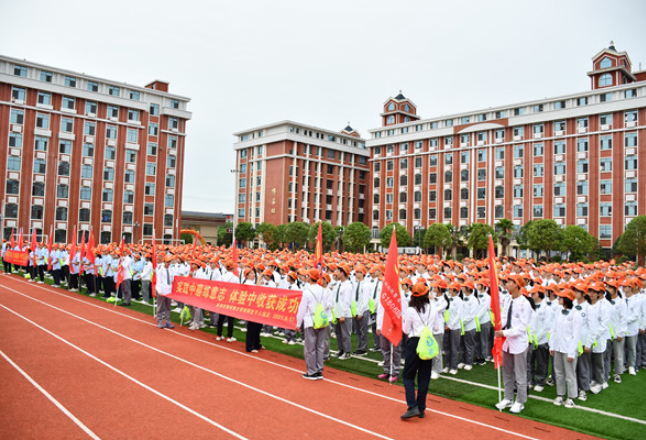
(41, 272)
(135, 287)
(90, 282)
(56, 273)
(7, 266)
(253, 336)
(230, 323)
(108, 286)
(74, 281)
(415, 367)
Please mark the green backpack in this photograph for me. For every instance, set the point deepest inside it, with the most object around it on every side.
(427, 347)
(320, 318)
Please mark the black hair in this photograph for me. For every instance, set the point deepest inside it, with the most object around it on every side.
(531, 301)
(567, 303)
(419, 302)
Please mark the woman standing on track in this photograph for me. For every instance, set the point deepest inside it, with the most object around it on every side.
(419, 314)
(253, 328)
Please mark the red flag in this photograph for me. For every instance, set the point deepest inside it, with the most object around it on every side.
(123, 245)
(82, 250)
(91, 255)
(235, 258)
(319, 251)
(13, 240)
(73, 252)
(391, 297)
(120, 276)
(154, 262)
(495, 305)
(34, 244)
(194, 246)
(49, 247)
(20, 239)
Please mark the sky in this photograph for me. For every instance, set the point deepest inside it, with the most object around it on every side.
(326, 63)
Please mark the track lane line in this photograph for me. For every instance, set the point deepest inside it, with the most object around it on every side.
(51, 398)
(143, 385)
(351, 387)
(187, 362)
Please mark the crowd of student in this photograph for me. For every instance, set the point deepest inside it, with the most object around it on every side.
(584, 323)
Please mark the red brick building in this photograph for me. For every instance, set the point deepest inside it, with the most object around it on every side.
(77, 150)
(290, 172)
(575, 158)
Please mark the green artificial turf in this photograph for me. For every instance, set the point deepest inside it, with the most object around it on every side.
(626, 399)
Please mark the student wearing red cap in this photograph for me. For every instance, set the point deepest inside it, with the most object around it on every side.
(587, 336)
(316, 339)
(343, 311)
(618, 326)
(164, 286)
(515, 317)
(564, 344)
(417, 316)
(361, 296)
(468, 318)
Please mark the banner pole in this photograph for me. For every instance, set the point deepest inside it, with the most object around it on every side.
(499, 389)
(391, 360)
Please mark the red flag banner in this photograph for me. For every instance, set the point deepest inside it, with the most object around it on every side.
(19, 258)
(120, 276)
(154, 262)
(13, 240)
(73, 252)
(21, 239)
(50, 242)
(91, 256)
(34, 245)
(264, 305)
(319, 250)
(391, 297)
(82, 250)
(495, 305)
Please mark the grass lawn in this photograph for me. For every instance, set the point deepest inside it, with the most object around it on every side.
(625, 399)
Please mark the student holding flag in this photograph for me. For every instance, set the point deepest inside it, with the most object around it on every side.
(516, 315)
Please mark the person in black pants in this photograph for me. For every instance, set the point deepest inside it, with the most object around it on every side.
(253, 328)
(418, 315)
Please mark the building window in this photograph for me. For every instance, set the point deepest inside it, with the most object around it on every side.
(390, 119)
(62, 191)
(482, 155)
(464, 194)
(44, 98)
(128, 197)
(538, 211)
(93, 86)
(559, 210)
(173, 123)
(630, 210)
(448, 176)
(154, 109)
(170, 181)
(605, 232)
(37, 212)
(17, 116)
(538, 190)
(500, 153)
(630, 139)
(15, 140)
(67, 125)
(40, 166)
(605, 186)
(559, 147)
(605, 209)
(133, 115)
(432, 160)
(70, 81)
(171, 161)
(19, 70)
(84, 213)
(559, 189)
(46, 76)
(132, 135)
(605, 142)
(519, 171)
(149, 189)
(63, 168)
(448, 194)
(152, 149)
(448, 214)
(605, 80)
(432, 213)
(582, 166)
(539, 170)
(481, 210)
(464, 176)
(518, 191)
(499, 192)
(106, 216)
(153, 129)
(168, 220)
(151, 168)
(107, 195)
(464, 212)
(403, 197)
(134, 95)
(11, 210)
(86, 171)
(500, 172)
(499, 212)
(630, 185)
(389, 182)
(68, 103)
(169, 201)
(518, 211)
(172, 142)
(149, 209)
(38, 189)
(432, 178)
(482, 193)
(108, 174)
(13, 186)
(14, 163)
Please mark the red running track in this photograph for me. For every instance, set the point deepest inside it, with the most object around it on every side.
(111, 373)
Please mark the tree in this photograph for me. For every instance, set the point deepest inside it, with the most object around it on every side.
(225, 238)
(403, 239)
(418, 237)
(245, 232)
(328, 234)
(437, 236)
(459, 235)
(188, 238)
(280, 235)
(633, 241)
(577, 241)
(479, 238)
(339, 236)
(266, 232)
(544, 235)
(357, 236)
(504, 231)
(297, 232)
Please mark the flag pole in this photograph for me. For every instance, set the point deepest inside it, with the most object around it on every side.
(391, 360)
(499, 389)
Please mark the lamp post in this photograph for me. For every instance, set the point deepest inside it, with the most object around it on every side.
(235, 172)
(341, 239)
(418, 233)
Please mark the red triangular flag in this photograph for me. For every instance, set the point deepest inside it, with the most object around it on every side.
(120, 276)
(13, 240)
(319, 251)
(391, 297)
(20, 239)
(73, 252)
(495, 305)
(235, 258)
(123, 245)
(153, 282)
(34, 244)
(49, 247)
(82, 250)
(91, 254)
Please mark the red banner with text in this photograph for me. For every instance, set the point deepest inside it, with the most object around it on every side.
(264, 305)
(19, 258)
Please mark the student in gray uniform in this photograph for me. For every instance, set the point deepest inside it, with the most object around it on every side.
(316, 339)
(343, 312)
(361, 295)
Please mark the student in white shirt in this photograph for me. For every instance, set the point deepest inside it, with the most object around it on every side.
(419, 314)
(564, 345)
(515, 317)
(165, 276)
